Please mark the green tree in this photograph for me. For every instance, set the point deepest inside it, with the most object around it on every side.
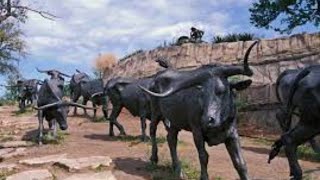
(285, 15)
(12, 47)
(12, 93)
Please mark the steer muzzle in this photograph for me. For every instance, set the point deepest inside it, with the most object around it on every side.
(63, 126)
(213, 123)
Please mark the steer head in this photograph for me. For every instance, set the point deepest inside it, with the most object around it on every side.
(61, 110)
(212, 80)
(55, 74)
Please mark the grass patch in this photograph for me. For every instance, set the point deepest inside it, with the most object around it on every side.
(26, 111)
(4, 174)
(5, 138)
(164, 171)
(163, 139)
(263, 141)
(306, 153)
(49, 139)
(5, 102)
(100, 168)
(99, 119)
(129, 138)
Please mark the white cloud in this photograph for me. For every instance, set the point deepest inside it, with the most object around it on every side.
(86, 28)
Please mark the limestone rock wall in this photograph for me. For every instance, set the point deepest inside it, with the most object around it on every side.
(267, 59)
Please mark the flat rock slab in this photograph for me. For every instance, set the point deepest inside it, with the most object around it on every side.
(39, 174)
(93, 162)
(93, 176)
(14, 153)
(4, 167)
(15, 144)
(43, 160)
(6, 151)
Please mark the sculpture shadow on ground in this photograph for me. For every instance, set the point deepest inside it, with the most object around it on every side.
(132, 166)
(105, 137)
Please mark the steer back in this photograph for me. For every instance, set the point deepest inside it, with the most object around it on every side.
(126, 91)
(75, 84)
(91, 88)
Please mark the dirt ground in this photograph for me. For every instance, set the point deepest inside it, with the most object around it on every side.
(131, 157)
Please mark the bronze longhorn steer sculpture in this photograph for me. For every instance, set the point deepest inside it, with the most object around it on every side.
(200, 101)
(125, 93)
(75, 86)
(304, 97)
(27, 91)
(50, 103)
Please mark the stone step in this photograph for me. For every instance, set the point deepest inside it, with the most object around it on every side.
(43, 160)
(13, 153)
(38, 174)
(15, 144)
(73, 165)
(93, 176)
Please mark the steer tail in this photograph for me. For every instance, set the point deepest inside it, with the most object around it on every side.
(295, 85)
(277, 85)
(282, 115)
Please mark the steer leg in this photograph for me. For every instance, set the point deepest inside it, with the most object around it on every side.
(54, 128)
(85, 101)
(40, 119)
(94, 110)
(234, 150)
(172, 142)
(143, 115)
(153, 132)
(291, 140)
(113, 121)
(203, 155)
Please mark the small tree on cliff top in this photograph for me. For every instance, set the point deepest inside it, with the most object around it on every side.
(104, 63)
(290, 13)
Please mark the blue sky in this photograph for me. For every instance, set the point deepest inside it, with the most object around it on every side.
(86, 28)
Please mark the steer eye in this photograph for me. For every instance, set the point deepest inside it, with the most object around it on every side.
(220, 90)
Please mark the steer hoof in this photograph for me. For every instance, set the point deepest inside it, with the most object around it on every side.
(122, 134)
(144, 138)
(154, 159)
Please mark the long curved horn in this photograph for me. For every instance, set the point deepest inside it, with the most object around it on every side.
(181, 82)
(96, 94)
(47, 105)
(63, 74)
(165, 94)
(79, 105)
(246, 57)
(237, 69)
(9, 85)
(43, 71)
(78, 71)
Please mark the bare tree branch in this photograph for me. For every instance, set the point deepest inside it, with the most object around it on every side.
(44, 14)
(10, 9)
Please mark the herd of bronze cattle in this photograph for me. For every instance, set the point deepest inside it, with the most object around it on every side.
(200, 100)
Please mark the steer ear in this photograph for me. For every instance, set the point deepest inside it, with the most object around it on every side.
(239, 86)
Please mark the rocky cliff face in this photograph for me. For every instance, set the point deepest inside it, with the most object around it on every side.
(268, 59)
